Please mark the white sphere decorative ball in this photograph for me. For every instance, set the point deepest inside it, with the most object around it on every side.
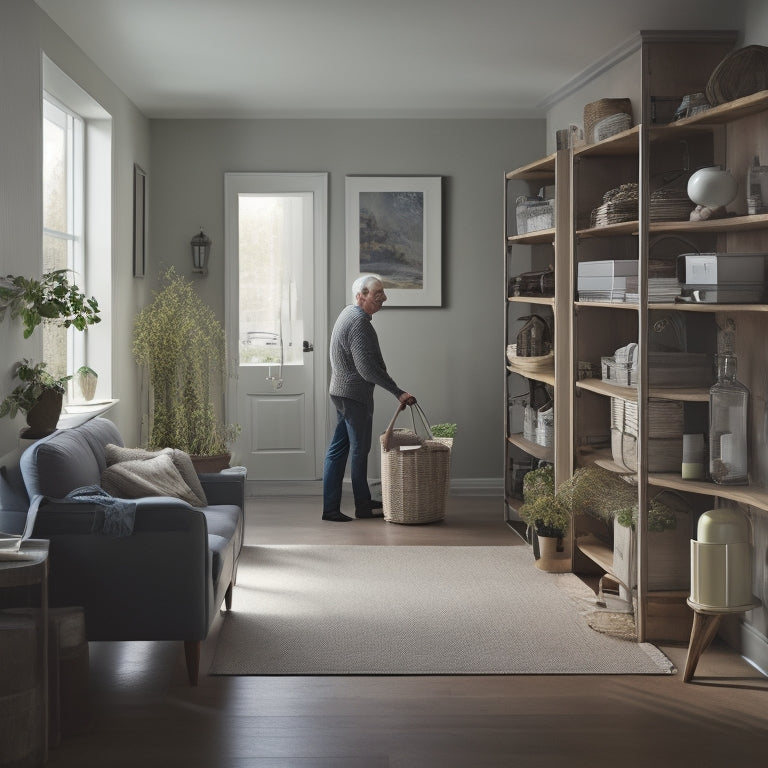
(712, 187)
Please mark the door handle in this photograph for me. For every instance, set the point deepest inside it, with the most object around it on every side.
(309, 346)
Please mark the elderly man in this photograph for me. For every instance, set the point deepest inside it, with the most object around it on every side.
(356, 367)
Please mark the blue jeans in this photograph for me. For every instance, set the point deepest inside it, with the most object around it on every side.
(353, 431)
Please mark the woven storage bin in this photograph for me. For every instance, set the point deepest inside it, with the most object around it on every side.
(597, 111)
(740, 73)
(414, 481)
(665, 439)
(534, 214)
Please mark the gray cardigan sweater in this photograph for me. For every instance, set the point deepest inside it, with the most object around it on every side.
(356, 361)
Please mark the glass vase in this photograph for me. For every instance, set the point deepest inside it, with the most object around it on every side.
(728, 404)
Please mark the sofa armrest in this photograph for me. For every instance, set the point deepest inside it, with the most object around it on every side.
(227, 487)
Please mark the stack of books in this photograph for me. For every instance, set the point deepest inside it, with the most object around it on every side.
(606, 280)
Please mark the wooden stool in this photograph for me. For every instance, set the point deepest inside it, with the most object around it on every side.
(706, 622)
(21, 695)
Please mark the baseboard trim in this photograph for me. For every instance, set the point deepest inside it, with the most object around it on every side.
(754, 647)
(469, 486)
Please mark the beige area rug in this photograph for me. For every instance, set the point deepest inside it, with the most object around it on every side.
(417, 610)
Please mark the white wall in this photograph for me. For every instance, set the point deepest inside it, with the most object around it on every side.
(25, 34)
(451, 358)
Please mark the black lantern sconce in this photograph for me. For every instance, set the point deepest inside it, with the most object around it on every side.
(201, 250)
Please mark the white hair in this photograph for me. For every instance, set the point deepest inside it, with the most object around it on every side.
(362, 284)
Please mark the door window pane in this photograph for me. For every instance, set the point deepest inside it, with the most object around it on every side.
(271, 240)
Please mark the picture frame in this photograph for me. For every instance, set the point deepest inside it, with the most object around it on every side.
(139, 220)
(394, 229)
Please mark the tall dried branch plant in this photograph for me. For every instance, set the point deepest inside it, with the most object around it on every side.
(181, 345)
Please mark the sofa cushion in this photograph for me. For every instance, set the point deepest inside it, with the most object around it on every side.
(115, 454)
(147, 477)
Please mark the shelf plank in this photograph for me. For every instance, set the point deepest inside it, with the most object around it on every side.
(541, 452)
(624, 143)
(533, 238)
(728, 112)
(743, 494)
(538, 170)
(687, 307)
(610, 230)
(609, 390)
(684, 394)
(547, 375)
(729, 223)
(597, 551)
(548, 300)
(607, 304)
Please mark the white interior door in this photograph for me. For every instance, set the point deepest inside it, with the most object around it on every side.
(276, 251)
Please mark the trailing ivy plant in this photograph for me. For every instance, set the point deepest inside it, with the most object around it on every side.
(181, 345)
(52, 298)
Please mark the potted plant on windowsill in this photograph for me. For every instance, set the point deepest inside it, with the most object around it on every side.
(181, 347)
(547, 517)
(51, 299)
(39, 396)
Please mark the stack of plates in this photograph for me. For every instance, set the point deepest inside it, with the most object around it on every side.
(661, 290)
(619, 204)
(670, 204)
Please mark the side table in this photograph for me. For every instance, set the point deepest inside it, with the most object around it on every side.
(30, 568)
(706, 621)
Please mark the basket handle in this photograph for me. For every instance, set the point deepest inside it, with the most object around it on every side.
(415, 408)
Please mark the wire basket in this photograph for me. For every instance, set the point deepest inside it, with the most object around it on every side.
(534, 214)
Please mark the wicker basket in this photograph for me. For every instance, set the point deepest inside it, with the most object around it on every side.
(597, 111)
(665, 439)
(740, 73)
(414, 480)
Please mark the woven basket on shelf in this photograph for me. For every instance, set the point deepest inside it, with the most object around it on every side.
(740, 73)
(597, 111)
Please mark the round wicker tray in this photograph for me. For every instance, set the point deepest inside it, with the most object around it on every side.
(740, 73)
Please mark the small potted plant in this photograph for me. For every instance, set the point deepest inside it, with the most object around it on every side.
(87, 380)
(39, 395)
(547, 517)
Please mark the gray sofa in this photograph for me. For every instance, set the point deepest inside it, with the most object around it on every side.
(166, 579)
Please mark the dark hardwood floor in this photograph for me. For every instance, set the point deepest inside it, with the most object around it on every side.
(146, 714)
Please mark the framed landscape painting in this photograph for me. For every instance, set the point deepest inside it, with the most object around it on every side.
(394, 230)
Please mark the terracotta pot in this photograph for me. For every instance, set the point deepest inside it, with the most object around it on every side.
(211, 463)
(44, 415)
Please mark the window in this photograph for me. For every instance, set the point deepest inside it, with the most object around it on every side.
(77, 219)
(63, 158)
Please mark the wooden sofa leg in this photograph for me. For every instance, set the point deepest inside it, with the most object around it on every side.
(228, 597)
(192, 654)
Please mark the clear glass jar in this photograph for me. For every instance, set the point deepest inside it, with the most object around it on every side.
(728, 404)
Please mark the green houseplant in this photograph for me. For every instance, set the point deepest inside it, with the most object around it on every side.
(39, 395)
(181, 346)
(53, 298)
(547, 517)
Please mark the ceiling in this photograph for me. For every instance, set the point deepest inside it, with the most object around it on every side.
(360, 58)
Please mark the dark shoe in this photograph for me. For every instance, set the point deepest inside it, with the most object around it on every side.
(336, 517)
(368, 510)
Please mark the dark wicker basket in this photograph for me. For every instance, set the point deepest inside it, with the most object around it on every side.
(740, 73)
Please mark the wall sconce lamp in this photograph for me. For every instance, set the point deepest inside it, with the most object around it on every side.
(201, 250)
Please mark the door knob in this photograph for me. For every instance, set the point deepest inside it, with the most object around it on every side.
(309, 346)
